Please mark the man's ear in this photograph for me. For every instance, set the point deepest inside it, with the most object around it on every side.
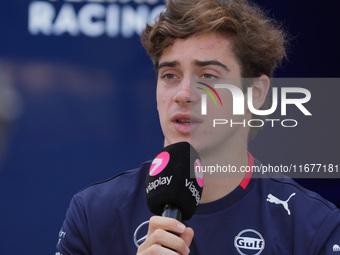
(260, 90)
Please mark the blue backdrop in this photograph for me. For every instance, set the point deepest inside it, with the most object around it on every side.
(77, 104)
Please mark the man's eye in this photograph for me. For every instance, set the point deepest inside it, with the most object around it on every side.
(169, 76)
(208, 76)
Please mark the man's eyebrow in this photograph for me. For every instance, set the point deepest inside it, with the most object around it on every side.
(168, 64)
(211, 62)
(196, 63)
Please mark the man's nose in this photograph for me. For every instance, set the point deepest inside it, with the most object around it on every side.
(185, 93)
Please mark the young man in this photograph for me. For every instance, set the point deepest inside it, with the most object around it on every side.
(194, 43)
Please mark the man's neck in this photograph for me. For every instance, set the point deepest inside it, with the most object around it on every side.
(220, 184)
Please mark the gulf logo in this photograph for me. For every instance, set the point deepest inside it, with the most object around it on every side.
(159, 163)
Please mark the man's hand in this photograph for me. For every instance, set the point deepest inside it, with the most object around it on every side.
(159, 240)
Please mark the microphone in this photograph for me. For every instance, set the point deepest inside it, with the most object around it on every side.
(174, 183)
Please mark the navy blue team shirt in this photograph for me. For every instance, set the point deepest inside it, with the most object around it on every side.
(261, 216)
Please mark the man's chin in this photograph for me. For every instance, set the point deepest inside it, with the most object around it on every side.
(168, 142)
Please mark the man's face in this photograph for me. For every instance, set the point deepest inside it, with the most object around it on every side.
(206, 58)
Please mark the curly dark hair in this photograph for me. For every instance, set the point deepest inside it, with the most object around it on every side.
(258, 42)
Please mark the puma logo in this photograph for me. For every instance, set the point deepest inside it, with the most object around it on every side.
(272, 199)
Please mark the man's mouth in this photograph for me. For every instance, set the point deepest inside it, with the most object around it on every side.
(184, 121)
